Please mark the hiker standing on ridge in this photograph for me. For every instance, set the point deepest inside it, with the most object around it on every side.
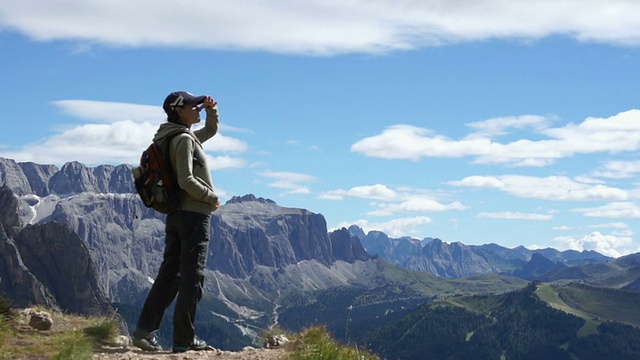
(187, 229)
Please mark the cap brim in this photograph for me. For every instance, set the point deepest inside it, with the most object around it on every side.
(195, 100)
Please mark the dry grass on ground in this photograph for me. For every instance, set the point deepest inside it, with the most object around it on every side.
(80, 338)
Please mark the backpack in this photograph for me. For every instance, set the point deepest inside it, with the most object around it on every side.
(155, 180)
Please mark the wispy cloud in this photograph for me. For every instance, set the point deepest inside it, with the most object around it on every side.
(108, 112)
(415, 204)
(389, 201)
(375, 192)
(555, 188)
(619, 169)
(319, 27)
(616, 134)
(615, 225)
(294, 183)
(501, 126)
(614, 210)
(508, 215)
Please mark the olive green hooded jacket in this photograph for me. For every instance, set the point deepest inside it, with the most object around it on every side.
(190, 163)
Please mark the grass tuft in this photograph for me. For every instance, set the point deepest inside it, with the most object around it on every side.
(73, 346)
(315, 343)
(103, 329)
(72, 337)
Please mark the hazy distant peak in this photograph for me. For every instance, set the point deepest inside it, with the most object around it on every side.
(249, 198)
(249, 205)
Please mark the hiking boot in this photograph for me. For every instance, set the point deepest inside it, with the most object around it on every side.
(146, 341)
(197, 345)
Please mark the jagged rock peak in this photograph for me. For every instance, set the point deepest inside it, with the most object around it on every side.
(9, 217)
(249, 198)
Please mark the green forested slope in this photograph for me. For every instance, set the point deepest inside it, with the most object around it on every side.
(513, 326)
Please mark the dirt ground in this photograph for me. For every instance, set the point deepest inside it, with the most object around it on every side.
(131, 353)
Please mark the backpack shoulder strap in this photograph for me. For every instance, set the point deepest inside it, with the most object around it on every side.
(165, 145)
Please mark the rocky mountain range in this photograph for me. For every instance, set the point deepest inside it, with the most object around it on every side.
(457, 260)
(78, 239)
(259, 250)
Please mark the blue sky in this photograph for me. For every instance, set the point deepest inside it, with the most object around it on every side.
(508, 122)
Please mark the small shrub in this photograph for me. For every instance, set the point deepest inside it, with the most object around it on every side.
(6, 312)
(103, 329)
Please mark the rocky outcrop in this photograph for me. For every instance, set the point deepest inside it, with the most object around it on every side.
(46, 264)
(73, 178)
(347, 247)
(537, 266)
(9, 212)
(248, 232)
(12, 176)
(60, 260)
(448, 260)
(38, 176)
(17, 283)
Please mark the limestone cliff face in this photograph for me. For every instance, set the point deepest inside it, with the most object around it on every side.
(248, 232)
(38, 177)
(17, 283)
(13, 177)
(46, 264)
(9, 212)
(347, 247)
(75, 178)
(61, 261)
(449, 260)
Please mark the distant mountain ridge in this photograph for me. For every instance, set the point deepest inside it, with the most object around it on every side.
(457, 260)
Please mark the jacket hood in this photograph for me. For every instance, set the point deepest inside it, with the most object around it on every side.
(167, 129)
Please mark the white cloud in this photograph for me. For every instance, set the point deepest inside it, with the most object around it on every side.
(562, 228)
(117, 133)
(412, 143)
(501, 126)
(401, 200)
(415, 204)
(610, 245)
(108, 112)
(618, 133)
(508, 215)
(556, 188)
(92, 144)
(614, 210)
(222, 143)
(615, 225)
(393, 228)
(619, 169)
(225, 162)
(291, 181)
(318, 27)
(375, 192)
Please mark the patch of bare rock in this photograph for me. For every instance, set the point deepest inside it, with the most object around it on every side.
(277, 349)
(132, 353)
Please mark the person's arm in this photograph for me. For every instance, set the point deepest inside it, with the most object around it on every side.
(211, 123)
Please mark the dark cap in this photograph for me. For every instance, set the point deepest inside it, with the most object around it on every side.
(179, 99)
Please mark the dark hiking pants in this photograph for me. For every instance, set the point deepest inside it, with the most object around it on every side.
(181, 273)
